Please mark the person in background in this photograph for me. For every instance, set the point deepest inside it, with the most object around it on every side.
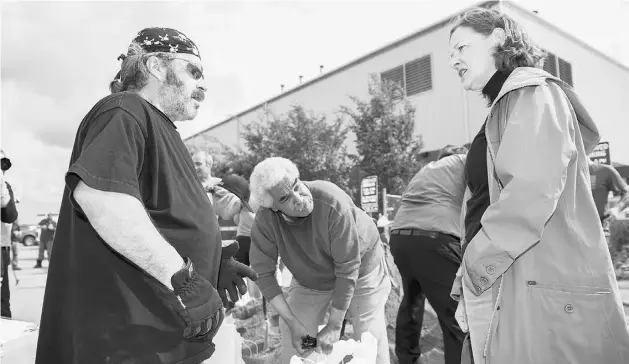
(140, 274)
(333, 250)
(9, 216)
(606, 179)
(425, 243)
(226, 204)
(536, 283)
(15, 245)
(48, 227)
(239, 186)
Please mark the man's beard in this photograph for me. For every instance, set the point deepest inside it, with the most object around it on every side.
(173, 99)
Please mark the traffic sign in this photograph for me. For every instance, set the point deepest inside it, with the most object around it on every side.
(369, 194)
(601, 153)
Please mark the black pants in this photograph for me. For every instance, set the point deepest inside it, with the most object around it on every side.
(427, 266)
(5, 292)
(244, 245)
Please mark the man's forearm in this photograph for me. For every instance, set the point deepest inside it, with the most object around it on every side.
(336, 317)
(343, 293)
(123, 223)
(283, 309)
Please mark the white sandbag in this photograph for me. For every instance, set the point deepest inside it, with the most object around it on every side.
(364, 351)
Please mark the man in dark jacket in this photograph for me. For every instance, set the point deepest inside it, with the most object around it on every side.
(48, 227)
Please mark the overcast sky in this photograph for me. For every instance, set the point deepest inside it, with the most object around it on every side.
(58, 58)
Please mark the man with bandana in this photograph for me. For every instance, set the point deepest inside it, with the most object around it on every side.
(139, 275)
(334, 252)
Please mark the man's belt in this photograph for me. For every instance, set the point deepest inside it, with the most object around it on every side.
(420, 232)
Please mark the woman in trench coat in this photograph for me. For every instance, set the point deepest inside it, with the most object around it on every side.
(536, 285)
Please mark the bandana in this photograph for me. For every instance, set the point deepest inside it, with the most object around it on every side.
(166, 40)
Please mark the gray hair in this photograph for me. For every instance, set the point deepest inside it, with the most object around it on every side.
(266, 175)
(449, 150)
(134, 73)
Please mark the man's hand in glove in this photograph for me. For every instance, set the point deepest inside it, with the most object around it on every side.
(231, 274)
(203, 311)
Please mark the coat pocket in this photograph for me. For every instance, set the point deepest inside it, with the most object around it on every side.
(583, 290)
(571, 324)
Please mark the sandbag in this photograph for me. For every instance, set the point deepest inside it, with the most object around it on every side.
(364, 351)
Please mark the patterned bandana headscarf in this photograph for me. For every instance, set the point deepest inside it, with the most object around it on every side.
(166, 40)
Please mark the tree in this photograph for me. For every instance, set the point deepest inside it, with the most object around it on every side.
(316, 146)
(385, 143)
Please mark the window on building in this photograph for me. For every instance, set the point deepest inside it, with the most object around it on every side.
(395, 75)
(413, 77)
(559, 67)
(565, 71)
(418, 75)
(550, 64)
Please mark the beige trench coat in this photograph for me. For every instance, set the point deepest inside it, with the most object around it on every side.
(536, 285)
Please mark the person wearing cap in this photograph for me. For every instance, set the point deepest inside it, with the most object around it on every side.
(426, 246)
(139, 274)
(333, 250)
(48, 226)
(9, 216)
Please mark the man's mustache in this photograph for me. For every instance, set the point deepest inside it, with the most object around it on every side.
(198, 95)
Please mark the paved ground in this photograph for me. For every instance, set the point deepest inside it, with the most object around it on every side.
(27, 297)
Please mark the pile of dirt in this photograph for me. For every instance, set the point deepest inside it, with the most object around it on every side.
(251, 324)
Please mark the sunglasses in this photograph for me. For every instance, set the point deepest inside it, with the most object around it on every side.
(192, 69)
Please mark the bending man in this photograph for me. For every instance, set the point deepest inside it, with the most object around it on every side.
(333, 250)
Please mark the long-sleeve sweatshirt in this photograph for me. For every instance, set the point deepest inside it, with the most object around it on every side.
(328, 250)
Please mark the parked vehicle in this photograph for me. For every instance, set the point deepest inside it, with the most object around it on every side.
(30, 234)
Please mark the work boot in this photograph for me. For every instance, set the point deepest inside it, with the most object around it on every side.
(38, 265)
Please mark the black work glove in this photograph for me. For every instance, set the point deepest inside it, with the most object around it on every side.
(202, 308)
(231, 274)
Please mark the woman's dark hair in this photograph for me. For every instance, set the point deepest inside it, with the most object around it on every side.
(134, 74)
(517, 51)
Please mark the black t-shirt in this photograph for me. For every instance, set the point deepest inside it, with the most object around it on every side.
(99, 307)
(476, 166)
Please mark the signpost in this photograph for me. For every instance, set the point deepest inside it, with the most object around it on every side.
(369, 194)
(601, 153)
